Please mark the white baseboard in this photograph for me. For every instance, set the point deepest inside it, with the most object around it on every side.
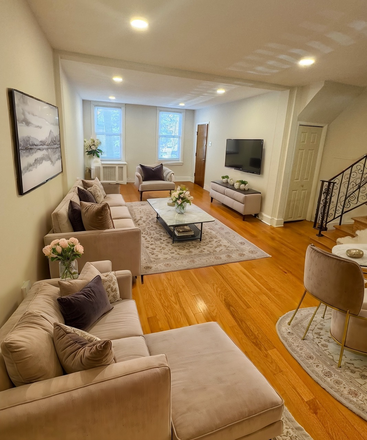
(271, 221)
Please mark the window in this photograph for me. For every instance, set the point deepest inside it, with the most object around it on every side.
(108, 129)
(170, 123)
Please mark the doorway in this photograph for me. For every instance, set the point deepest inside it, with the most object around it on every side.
(200, 155)
(303, 171)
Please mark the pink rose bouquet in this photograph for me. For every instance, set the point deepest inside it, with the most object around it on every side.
(66, 252)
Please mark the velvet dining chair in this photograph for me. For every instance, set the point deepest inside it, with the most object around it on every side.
(337, 283)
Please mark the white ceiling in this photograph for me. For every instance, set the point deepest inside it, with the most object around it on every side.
(192, 47)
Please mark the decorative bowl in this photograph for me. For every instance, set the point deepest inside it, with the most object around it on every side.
(354, 253)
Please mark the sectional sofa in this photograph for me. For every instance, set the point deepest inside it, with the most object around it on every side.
(181, 384)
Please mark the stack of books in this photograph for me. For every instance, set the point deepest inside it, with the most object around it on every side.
(183, 230)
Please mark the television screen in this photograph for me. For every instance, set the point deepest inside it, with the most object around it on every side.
(244, 155)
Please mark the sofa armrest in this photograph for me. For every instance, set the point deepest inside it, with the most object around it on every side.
(124, 280)
(138, 179)
(111, 188)
(168, 174)
(121, 246)
(130, 400)
(103, 266)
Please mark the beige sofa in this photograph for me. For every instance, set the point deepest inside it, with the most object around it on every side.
(181, 384)
(121, 245)
(167, 184)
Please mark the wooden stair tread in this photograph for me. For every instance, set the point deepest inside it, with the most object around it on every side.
(324, 242)
(345, 230)
(362, 219)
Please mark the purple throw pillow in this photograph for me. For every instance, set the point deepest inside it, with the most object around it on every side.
(84, 308)
(85, 196)
(75, 216)
(152, 173)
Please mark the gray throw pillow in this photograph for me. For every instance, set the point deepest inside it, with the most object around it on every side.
(75, 216)
(84, 308)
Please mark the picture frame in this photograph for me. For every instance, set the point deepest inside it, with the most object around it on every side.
(37, 140)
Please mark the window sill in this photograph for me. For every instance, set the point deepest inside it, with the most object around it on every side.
(179, 162)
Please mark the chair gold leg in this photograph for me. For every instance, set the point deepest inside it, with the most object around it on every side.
(314, 313)
(344, 338)
(299, 304)
(323, 315)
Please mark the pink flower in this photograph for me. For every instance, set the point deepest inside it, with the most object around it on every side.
(47, 250)
(63, 243)
(79, 248)
(73, 240)
(58, 249)
(54, 242)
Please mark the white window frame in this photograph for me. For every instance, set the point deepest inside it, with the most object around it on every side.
(113, 105)
(178, 161)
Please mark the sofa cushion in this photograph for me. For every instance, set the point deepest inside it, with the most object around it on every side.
(45, 301)
(59, 216)
(89, 183)
(78, 350)
(29, 351)
(75, 216)
(114, 200)
(85, 195)
(84, 308)
(96, 216)
(96, 193)
(123, 223)
(217, 392)
(126, 349)
(109, 281)
(157, 185)
(122, 322)
(152, 173)
(120, 212)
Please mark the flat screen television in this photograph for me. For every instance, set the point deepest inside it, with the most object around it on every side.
(244, 155)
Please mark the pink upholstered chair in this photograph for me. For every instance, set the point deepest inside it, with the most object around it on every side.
(338, 283)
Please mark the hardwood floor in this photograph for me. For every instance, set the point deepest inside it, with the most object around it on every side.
(247, 299)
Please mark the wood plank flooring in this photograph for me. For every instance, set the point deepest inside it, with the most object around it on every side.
(247, 299)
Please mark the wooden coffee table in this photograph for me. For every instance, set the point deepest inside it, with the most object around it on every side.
(173, 222)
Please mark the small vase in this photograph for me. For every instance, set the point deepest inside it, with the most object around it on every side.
(236, 185)
(244, 187)
(180, 209)
(68, 269)
(224, 180)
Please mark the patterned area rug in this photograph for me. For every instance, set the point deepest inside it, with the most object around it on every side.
(318, 354)
(292, 430)
(219, 245)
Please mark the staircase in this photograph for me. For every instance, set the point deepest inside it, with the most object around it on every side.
(343, 193)
(328, 239)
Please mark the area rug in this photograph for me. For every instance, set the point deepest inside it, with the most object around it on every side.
(318, 354)
(219, 245)
(292, 430)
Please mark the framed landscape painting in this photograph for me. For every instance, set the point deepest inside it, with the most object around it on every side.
(37, 140)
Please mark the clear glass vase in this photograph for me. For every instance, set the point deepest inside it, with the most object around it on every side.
(180, 209)
(68, 269)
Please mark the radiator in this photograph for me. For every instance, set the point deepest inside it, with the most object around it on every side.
(111, 172)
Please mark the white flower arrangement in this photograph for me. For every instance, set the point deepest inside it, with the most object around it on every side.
(91, 147)
(181, 196)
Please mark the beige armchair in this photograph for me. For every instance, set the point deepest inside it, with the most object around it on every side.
(142, 185)
(337, 283)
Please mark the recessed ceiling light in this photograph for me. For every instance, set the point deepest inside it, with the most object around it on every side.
(117, 79)
(221, 91)
(112, 97)
(182, 104)
(139, 23)
(306, 62)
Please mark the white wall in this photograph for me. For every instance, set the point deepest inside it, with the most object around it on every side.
(26, 65)
(259, 117)
(141, 139)
(346, 143)
(71, 110)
